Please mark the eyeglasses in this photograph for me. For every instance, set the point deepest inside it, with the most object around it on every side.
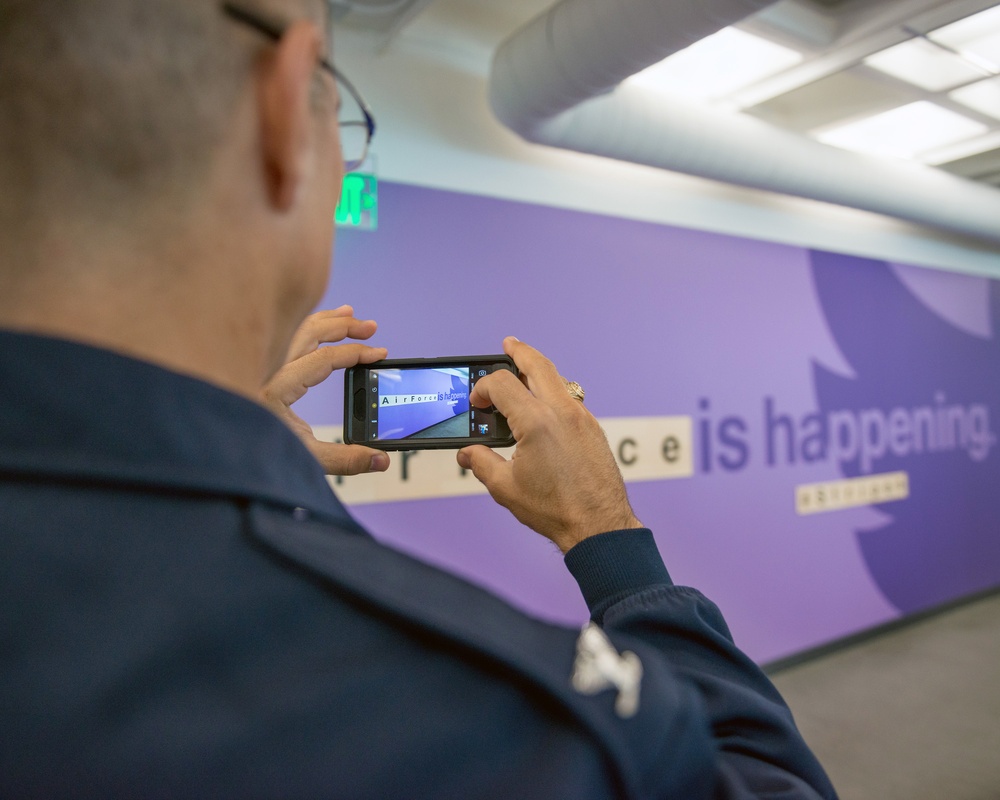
(355, 134)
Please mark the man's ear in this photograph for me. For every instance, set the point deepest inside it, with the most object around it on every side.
(283, 88)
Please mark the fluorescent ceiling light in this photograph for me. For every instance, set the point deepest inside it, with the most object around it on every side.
(903, 132)
(976, 37)
(964, 149)
(925, 65)
(984, 97)
(718, 65)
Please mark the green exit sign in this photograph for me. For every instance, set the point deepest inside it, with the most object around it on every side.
(358, 207)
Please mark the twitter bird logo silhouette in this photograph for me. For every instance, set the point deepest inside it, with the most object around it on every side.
(929, 393)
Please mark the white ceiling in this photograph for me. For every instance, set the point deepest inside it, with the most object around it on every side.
(830, 85)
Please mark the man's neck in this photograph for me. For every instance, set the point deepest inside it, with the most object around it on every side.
(183, 318)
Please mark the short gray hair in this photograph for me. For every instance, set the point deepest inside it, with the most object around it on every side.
(132, 95)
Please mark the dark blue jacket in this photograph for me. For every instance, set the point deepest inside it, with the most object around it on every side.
(187, 610)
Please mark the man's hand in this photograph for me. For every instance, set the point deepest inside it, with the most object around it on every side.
(306, 365)
(563, 481)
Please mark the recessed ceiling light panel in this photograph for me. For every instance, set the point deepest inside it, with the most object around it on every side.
(925, 65)
(984, 97)
(904, 132)
(962, 150)
(718, 65)
(977, 37)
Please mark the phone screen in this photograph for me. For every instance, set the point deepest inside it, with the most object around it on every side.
(425, 406)
(422, 403)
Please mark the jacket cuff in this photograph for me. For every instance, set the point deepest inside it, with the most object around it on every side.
(612, 566)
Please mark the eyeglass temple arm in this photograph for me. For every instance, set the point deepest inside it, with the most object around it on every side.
(272, 29)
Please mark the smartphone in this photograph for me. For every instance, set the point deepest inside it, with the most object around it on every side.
(422, 404)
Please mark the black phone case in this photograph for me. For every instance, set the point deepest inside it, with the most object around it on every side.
(357, 374)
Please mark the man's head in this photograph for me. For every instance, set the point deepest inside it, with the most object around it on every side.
(121, 95)
(134, 130)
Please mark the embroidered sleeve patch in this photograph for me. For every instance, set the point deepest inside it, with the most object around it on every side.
(599, 666)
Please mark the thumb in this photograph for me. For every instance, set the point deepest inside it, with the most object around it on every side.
(490, 468)
(344, 459)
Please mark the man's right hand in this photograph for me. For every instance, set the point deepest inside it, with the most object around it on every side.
(563, 481)
(307, 364)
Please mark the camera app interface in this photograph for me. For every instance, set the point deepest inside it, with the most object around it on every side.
(427, 403)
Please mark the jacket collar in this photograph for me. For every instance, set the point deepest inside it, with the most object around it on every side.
(73, 412)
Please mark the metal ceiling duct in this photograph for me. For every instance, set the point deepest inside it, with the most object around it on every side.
(556, 82)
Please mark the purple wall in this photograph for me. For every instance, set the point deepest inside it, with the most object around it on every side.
(779, 355)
